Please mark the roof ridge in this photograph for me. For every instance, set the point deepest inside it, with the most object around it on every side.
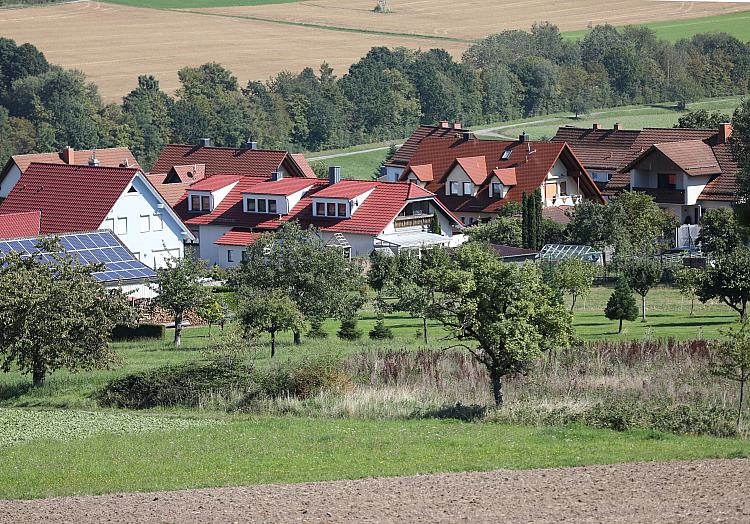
(84, 166)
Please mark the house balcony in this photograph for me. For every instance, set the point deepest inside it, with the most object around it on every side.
(563, 200)
(403, 222)
(664, 195)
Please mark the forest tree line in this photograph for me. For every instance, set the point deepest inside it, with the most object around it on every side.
(386, 94)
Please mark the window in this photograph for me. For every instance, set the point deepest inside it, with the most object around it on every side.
(145, 223)
(453, 188)
(320, 209)
(137, 256)
(261, 206)
(110, 224)
(121, 227)
(200, 203)
(563, 188)
(497, 190)
(157, 224)
(251, 205)
(468, 188)
(205, 203)
(272, 206)
(331, 209)
(666, 181)
(230, 255)
(342, 210)
(506, 154)
(195, 203)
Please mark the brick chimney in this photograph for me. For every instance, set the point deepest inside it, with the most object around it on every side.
(457, 125)
(618, 126)
(725, 132)
(444, 124)
(69, 155)
(596, 125)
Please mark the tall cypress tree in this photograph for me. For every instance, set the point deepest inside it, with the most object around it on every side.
(525, 224)
(538, 227)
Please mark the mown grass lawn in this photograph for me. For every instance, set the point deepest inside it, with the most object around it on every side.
(736, 24)
(284, 450)
(192, 4)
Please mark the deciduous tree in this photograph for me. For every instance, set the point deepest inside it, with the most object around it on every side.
(574, 277)
(641, 274)
(54, 314)
(270, 312)
(503, 314)
(180, 289)
(728, 280)
(732, 360)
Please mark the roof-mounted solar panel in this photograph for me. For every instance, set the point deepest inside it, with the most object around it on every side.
(96, 247)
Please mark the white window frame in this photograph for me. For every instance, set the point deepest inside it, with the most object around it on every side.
(467, 188)
(158, 223)
(201, 207)
(145, 223)
(497, 189)
(121, 226)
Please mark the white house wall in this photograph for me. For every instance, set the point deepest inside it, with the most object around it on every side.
(150, 246)
(209, 251)
(558, 170)
(9, 182)
(220, 194)
(694, 186)
(460, 176)
(362, 245)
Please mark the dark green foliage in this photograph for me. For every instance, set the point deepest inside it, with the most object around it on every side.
(380, 331)
(138, 332)
(349, 329)
(702, 119)
(721, 232)
(532, 234)
(728, 280)
(316, 330)
(621, 305)
(502, 230)
(168, 386)
(641, 275)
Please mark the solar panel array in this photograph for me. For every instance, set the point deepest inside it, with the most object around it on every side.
(98, 247)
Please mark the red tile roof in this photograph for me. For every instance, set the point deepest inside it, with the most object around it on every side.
(423, 173)
(214, 182)
(285, 186)
(190, 173)
(109, 157)
(373, 215)
(532, 162)
(507, 176)
(475, 167)
(402, 158)
(253, 162)
(621, 147)
(346, 189)
(70, 198)
(693, 157)
(171, 193)
(17, 225)
(307, 170)
(238, 236)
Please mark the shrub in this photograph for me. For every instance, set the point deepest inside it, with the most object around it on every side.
(182, 385)
(316, 329)
(381, 331)
(302, 379)
(137, 332)
(349, 330)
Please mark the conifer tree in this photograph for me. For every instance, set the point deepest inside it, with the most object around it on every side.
(621, 305)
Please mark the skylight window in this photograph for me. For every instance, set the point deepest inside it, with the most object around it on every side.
(506, 154)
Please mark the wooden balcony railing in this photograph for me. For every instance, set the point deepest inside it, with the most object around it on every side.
(413, 221)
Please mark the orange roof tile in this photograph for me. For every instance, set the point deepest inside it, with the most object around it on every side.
(475, 167)
(17, 225)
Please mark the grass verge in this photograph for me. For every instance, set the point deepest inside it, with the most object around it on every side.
(285, 450)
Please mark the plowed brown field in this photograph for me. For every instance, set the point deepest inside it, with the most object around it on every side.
(113, 44)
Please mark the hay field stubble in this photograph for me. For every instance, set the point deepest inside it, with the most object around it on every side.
(472, 19)
(113, 44)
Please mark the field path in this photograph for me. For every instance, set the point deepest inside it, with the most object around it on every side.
(697, 491)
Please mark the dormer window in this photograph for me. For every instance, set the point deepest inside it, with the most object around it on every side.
(200, 203)
(331, 209)
(453, 190)
(468, 188)
(497, 190)
(261, 205)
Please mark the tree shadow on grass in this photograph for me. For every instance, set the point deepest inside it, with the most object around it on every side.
(457, 412)
(14, 391)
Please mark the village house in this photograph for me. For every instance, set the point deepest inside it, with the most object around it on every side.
(109, 157)
(231, 211)
(475, 178)
(65, 198)
(687, 171)
(393, 169)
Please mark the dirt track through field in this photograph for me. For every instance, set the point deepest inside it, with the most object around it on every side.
(697, 491)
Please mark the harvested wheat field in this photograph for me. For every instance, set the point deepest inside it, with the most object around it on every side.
(475, 19)
(699, 491)
(113, 44)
